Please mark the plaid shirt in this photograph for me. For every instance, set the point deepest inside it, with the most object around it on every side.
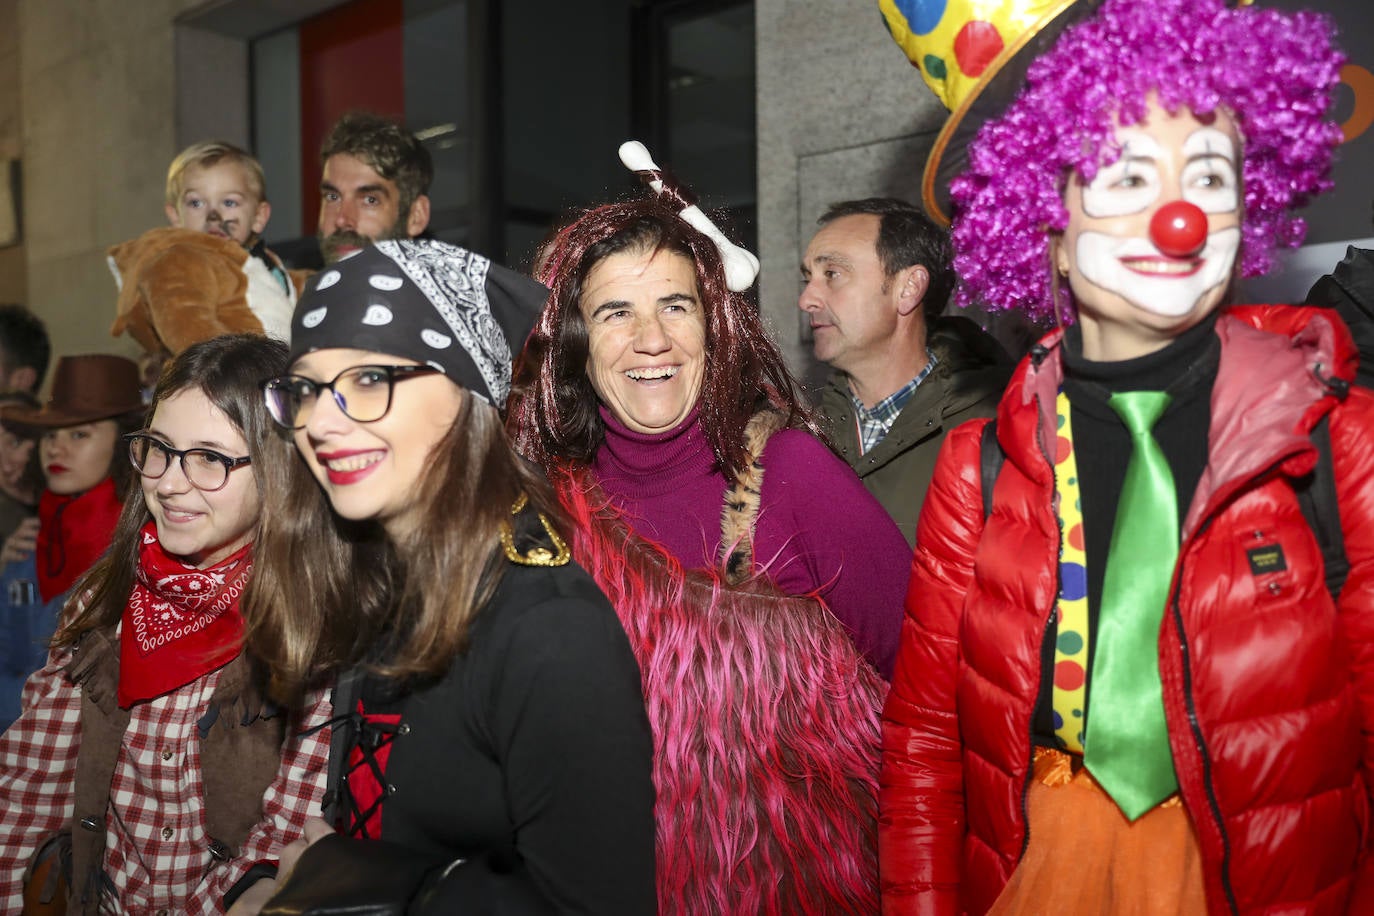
(875, 422)
(156, 848)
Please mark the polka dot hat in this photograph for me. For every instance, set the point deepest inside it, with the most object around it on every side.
(435, 303)
(974, 55)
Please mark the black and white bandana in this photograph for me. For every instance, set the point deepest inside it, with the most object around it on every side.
(424, 300)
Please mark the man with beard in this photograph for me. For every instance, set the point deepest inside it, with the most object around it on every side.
(374, 185)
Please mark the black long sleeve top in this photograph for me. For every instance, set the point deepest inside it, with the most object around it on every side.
(530, 758)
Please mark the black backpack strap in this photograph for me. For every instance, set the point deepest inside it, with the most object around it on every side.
(991, 457)
(1317, 498)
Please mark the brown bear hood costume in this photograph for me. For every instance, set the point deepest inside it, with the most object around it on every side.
(179, 286)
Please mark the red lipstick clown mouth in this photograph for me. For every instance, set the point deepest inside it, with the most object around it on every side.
(1162, 266)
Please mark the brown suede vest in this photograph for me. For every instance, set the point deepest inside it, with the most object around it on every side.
(241, 739)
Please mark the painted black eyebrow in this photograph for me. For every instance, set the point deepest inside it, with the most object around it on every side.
(1209, 154)
(1127, 156)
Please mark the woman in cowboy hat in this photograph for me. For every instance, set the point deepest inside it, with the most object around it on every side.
(95, 399)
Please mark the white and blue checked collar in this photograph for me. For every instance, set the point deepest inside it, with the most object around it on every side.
(875, 422)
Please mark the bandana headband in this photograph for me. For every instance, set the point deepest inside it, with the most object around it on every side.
(422, 300)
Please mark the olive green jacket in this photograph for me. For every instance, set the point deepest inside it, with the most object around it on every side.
(970, 372)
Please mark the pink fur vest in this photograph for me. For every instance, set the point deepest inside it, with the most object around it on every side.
(765, 722)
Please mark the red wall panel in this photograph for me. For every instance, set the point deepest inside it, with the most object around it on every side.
(351, 57)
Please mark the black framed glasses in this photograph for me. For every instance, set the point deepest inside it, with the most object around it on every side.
(204, 468)
(363, 393)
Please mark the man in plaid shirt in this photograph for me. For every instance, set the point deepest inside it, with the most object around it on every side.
(157, 857)
(877, 276)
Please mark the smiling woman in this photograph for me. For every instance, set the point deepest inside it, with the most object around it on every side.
(85, 472)
(1133, 298)
(646, 337)
(1175, 723)
(659, 406)
(143, 737)
(489, 730)
(203, 510)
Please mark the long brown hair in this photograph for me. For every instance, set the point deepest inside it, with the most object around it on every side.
(227, 370)
(329, 594)
(553, 408)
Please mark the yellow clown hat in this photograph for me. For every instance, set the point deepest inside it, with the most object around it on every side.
(974, 55)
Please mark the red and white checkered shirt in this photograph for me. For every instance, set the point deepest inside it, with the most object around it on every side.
(156, 845)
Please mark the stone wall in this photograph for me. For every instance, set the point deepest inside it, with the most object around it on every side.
(841, 114)
(96, 84)
(13, 277)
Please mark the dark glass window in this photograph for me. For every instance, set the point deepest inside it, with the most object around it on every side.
(522, 104)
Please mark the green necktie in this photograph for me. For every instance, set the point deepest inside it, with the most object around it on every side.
(1126, 747)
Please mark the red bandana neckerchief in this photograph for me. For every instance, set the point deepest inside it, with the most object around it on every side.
(180, 623)
(73, 531)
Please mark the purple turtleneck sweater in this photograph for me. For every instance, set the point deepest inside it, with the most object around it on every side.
(818, 531)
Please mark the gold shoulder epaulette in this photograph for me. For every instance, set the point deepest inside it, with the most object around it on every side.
(535, 556)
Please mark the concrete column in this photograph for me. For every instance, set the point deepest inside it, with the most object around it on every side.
(96, 83)
(841, 115)
(13, 277)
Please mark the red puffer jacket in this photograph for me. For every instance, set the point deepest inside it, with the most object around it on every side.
(1268, 686)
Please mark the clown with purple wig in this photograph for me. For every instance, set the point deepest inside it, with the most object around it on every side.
(1127, 683)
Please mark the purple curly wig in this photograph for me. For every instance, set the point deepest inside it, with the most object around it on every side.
(1274, 72)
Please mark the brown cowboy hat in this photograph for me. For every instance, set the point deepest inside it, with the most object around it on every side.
(86, 388)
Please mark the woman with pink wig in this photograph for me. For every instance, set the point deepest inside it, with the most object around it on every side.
(760, 583)
(1126, 684)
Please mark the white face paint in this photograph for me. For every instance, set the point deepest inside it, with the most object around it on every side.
(1135, 180)
(1210, 169)
(1132, 298)
(1132, 268)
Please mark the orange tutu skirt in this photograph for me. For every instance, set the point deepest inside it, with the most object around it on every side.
(1086, 859)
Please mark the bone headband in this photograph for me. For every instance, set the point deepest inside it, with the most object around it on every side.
(741, 267)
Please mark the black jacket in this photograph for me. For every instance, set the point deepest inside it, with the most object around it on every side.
(530, 758)
(1349, 289)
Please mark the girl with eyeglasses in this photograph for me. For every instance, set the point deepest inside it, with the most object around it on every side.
(489, 735)
(147, 772)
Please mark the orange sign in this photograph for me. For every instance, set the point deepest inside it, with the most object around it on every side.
(1361, 82)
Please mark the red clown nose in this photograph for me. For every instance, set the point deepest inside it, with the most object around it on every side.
(1179, 229)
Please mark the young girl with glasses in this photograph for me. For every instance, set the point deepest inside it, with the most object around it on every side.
(489, 724)
(144, 747)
